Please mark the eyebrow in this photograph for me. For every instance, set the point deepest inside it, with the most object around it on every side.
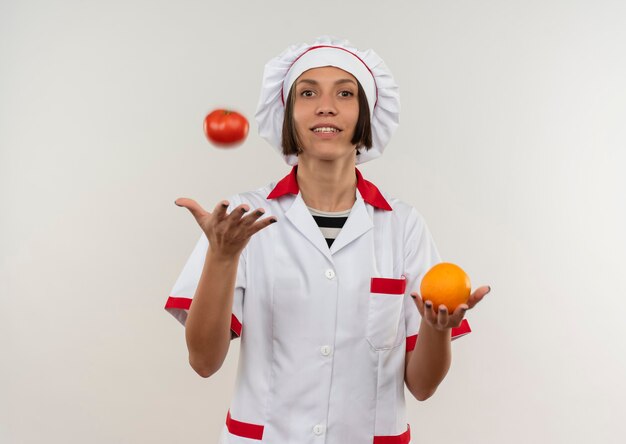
(315, 82)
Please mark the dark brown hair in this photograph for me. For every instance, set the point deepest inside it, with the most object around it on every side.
(362, 132)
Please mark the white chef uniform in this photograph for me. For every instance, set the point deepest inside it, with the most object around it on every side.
(324, 331)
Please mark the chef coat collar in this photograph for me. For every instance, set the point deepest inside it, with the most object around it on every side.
(369, 191)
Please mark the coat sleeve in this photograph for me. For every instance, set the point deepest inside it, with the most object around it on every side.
(181, 295)
(420, 255)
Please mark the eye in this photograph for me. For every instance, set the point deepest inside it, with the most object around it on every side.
(346, 93)
(306, 93)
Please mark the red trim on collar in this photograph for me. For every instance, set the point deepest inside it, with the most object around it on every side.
(287, 185)
(369, 191)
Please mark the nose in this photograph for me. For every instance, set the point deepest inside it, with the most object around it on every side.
(326, 106)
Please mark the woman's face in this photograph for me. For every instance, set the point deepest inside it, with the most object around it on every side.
(325, 113)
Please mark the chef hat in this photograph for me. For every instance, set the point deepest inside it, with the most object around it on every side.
(366, 66)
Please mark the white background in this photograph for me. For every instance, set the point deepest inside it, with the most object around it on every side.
(511, 145)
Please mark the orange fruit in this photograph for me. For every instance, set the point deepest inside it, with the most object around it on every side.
(445, 284)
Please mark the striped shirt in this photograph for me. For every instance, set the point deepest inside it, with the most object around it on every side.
(330, 223)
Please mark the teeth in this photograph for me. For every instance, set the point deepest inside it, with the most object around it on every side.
(325, 130)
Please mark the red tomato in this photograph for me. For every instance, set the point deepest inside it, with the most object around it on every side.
(224, 127)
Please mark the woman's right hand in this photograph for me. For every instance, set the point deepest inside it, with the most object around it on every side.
(228, 234)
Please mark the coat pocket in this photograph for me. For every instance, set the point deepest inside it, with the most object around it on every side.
(385, 311)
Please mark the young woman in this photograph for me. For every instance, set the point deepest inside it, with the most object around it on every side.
(317, 273)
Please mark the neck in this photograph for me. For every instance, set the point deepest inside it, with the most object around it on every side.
(327, 186)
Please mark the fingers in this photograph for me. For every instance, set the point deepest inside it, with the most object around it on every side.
(194, 207)
(478, 295)
(446, 320)
(419, 302)
(243, 217)
(257, 224)
(237, 213)
(459, 313)
(252, 216)
(263, 223)
(443, 317)
(219, 212)
(429, 313)
(426, 309)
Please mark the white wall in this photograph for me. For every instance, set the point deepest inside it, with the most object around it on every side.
(511, 146)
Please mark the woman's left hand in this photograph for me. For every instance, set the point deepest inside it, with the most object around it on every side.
(442, 320)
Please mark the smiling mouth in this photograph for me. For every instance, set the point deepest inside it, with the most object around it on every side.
(325, 129)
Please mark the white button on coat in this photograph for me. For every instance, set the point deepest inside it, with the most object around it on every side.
(325, 350)
(330, 274)
(318, 429)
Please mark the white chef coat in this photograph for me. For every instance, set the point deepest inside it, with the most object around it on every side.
(324, 331)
